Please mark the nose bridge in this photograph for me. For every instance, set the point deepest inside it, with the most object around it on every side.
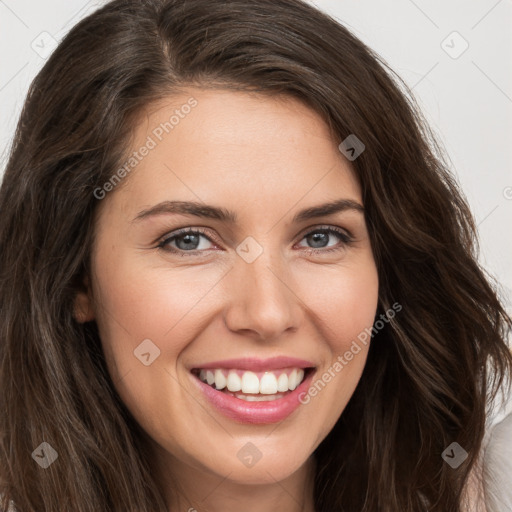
(262, 300)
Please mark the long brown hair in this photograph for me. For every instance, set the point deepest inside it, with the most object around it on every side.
(430, 371)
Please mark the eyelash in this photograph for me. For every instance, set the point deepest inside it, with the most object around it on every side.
(345, 240)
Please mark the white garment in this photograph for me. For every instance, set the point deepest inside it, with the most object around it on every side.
(497, 458)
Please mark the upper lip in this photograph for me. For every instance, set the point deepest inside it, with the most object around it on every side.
(256, 364)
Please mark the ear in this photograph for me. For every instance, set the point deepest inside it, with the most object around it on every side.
(83, 310)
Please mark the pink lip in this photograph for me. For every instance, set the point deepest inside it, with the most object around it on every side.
(255, 412)
(257, 365)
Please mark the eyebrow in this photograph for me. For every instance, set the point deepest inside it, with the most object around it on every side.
(218, 213)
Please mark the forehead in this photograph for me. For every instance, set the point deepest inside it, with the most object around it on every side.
(218, 145)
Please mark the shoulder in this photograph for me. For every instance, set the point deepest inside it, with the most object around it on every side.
(496, 456)
(488, 487)
(497, 460)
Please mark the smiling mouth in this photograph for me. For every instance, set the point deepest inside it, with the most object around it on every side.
(253, 386)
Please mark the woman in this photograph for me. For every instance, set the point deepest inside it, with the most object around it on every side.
(237, 273)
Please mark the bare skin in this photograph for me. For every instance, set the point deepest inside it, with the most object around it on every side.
(265, 159)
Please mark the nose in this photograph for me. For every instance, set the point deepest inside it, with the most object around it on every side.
(263, 299)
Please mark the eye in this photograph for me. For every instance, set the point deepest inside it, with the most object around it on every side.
(189, 240)
(321, 236)
(185, 240)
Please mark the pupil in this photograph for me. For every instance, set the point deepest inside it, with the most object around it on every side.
(318, 237)
(189, 239)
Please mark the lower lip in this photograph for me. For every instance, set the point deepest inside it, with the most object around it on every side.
(255, 412)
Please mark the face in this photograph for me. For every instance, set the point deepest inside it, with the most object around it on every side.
(259, 285)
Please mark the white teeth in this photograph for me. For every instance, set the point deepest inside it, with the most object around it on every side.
(220, 380)
(259, 398)
(210, 377)
(234, 383)
(269, 384)
(250, 383)
(295, 378)
(292, 379)
(282, 383)
(300, 376)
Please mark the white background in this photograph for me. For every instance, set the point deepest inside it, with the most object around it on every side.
(467, 99)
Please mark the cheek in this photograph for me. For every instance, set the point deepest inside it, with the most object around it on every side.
(344, 304)
(143, 309)
(137, 301)
(140, 310)
(344, 301)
